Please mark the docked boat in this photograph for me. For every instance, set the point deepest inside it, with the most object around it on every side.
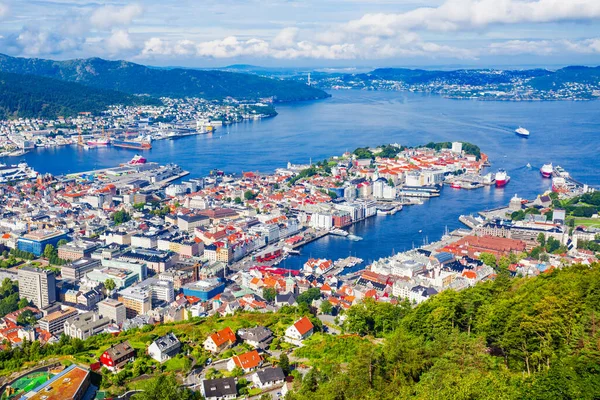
(338, 232)
(131, 144)
(522, 132)
(456, 185)
(546, 170)
(98, 142)
(19, 172)
(502, 178)
(137, 159)
(560, 171)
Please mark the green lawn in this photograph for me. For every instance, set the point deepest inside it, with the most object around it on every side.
(254, 391)
(175, 364)
(589, 222)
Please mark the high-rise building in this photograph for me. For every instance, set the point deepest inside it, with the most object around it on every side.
(137, 301)
(37, 285)
(113, 310)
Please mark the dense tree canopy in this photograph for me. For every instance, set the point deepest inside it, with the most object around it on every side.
(525, 338)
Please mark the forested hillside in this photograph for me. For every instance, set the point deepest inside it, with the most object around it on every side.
(525, 338)
(138, 79)
(30, 96)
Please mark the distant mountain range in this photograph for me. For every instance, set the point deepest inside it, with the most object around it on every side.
(29, 96)
(177, 82)
(540, 79)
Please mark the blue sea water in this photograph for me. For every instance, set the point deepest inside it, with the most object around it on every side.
(564, 133)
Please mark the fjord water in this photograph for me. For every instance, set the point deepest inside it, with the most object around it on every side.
(564, 133)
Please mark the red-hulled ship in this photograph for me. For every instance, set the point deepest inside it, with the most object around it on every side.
(502, 178)
(547, 170)
(137, 159)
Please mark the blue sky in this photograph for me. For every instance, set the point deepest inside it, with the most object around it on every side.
(344, 33)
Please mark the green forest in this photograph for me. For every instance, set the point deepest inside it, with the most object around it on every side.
(522, 338)
(134, 78)
(28, 96)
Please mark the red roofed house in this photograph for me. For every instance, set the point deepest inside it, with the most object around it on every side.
(220, 340)
(299, 331)
(248, 361)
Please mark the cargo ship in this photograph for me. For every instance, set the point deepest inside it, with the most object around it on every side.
(131, 145)
(546, 170)
(502, 178)
(98, 142)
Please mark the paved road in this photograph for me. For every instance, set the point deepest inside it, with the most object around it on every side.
(329, 321)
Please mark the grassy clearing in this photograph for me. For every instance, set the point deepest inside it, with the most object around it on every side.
(589, 222)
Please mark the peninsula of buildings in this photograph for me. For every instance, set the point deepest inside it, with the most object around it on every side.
(122, 125)
(121, 251)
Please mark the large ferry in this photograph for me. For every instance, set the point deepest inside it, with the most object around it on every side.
(502, 178)
(522, 132)
(19, 172)
(131, 144)
(546, 170)
(137, 159)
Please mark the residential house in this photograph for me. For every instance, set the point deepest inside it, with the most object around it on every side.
(220, 340)
(164, 348)
(259, 337)
(247, 362)
(116, 356)
(268, 377)
(219, 389)
(299, 331)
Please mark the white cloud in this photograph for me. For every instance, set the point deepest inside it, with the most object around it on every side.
(285, 38)
(516, 47)
(287, 45)
(4, 10)
(34, 42)
(107, 17)
(118, 42)
(587, 46)
(469, 14)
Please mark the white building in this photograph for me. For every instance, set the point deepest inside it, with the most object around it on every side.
(164, 348)
(321, 220)
(299, 331)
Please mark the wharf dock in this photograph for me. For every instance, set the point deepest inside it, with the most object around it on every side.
(418, 193)
(470, 221)
(348, 262)
(311, 238)
(351, 276)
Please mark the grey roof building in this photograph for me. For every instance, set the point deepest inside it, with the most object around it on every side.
(217, 389)
(164, 348)
(259, 337)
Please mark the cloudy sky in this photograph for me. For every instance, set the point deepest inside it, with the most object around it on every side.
(313, 33)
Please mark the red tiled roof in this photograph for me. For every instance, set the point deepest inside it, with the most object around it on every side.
(303, 325)
(248, 360)
(223, 336)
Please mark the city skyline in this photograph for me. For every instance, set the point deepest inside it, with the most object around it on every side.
(356, 33)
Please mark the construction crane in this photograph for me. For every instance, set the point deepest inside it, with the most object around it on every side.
(79, 138)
